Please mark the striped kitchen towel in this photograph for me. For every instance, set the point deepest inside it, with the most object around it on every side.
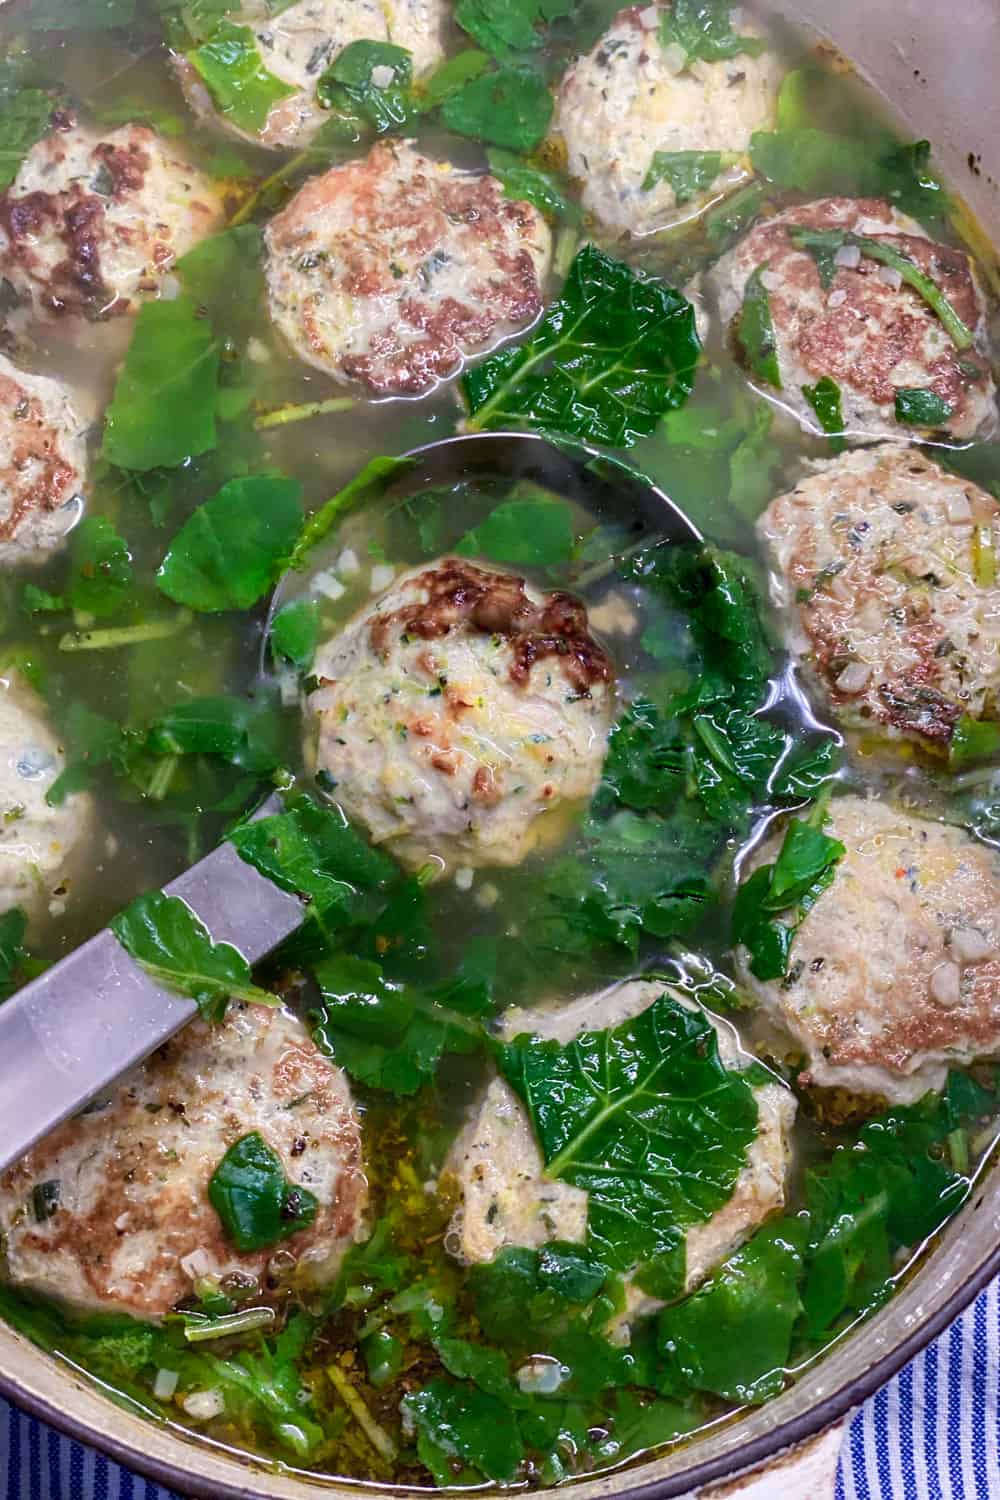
(933, 1433)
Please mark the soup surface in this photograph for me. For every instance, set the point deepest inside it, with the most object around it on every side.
(639, 1033)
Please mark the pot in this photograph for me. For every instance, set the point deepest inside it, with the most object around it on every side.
(932, 65)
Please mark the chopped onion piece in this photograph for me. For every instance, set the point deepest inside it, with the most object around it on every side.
(204, 1405)
(165, 1384)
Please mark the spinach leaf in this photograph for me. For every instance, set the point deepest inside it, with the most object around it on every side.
(231, 551)
(92, 741)
(102, 578)
(805, 867)
(453, 74)
(232, 69)
(511, 107)
(255, 1202)
(510, 25)
(521, 1294)
(805, 772)
(392, 1036)
(530, 184)
(463, 1422)
(295, 632)
(528, 533)
(312, 852)
(645, 763)
(163, 934)
(608, 359)
(888, 1190)
(688, 172)
(162, 410)
(755, 332)
(973, 739)
(733, 1336)
(734, 216)
(806, 159)
(485, 1367)
(704, 29)
(25, 115)
(13, 927)
(823, 242)
(244, 732)
(348, 86)
(921, 408)
(824, 398)
(647, 1121)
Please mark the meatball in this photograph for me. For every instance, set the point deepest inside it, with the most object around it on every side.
(299, 43)
(458, 716)
(390, 270)
(43, 465)
(895, 972)
(507, 1200)
(111, 1211)
(92, 222)
(631, 98)
(40, 845)
(885, 566)
(869, 333)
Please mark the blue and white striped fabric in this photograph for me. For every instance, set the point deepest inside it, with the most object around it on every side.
(933, 1433)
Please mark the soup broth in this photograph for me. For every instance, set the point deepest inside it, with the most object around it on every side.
(182, 695)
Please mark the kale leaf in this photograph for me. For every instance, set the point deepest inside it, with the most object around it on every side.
(163, 934)
(703, 28)
(231, 551)
(805, 159)
(645, 1118)
(348, 87)
(255, 1202)
(163, 408)
(609, 358)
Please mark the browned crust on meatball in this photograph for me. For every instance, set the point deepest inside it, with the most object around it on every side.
(429, 208)
(175, 1211)
(900, 316)
(461, 596)
(34, 443)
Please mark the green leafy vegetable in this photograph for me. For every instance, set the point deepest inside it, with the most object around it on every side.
(526, 533)
(608, 359)
(807, 159)
(374, 478)
(507, 26)
(244, 732)
(972, 740)
(312, 852)
(13, 927)
(755, 331)
(510, 106)
(704, 29)
(162, 410)
(463, 1422)
(922, 408)
(890, 1189)
(529, 184)
(688, 172)
(231, 551)
(646, 1119)
(734, 215)
(233, 71)
(824, 398)
(347, 85)
(453, 74)
(391, 1036)
(25, 114)
(163, 934)
(102, 577)
(295, 632)
(823, 242)
(257, 1205)
(733, 1336)
(805, 866)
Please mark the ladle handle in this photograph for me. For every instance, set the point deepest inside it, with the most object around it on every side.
(68, 1034)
